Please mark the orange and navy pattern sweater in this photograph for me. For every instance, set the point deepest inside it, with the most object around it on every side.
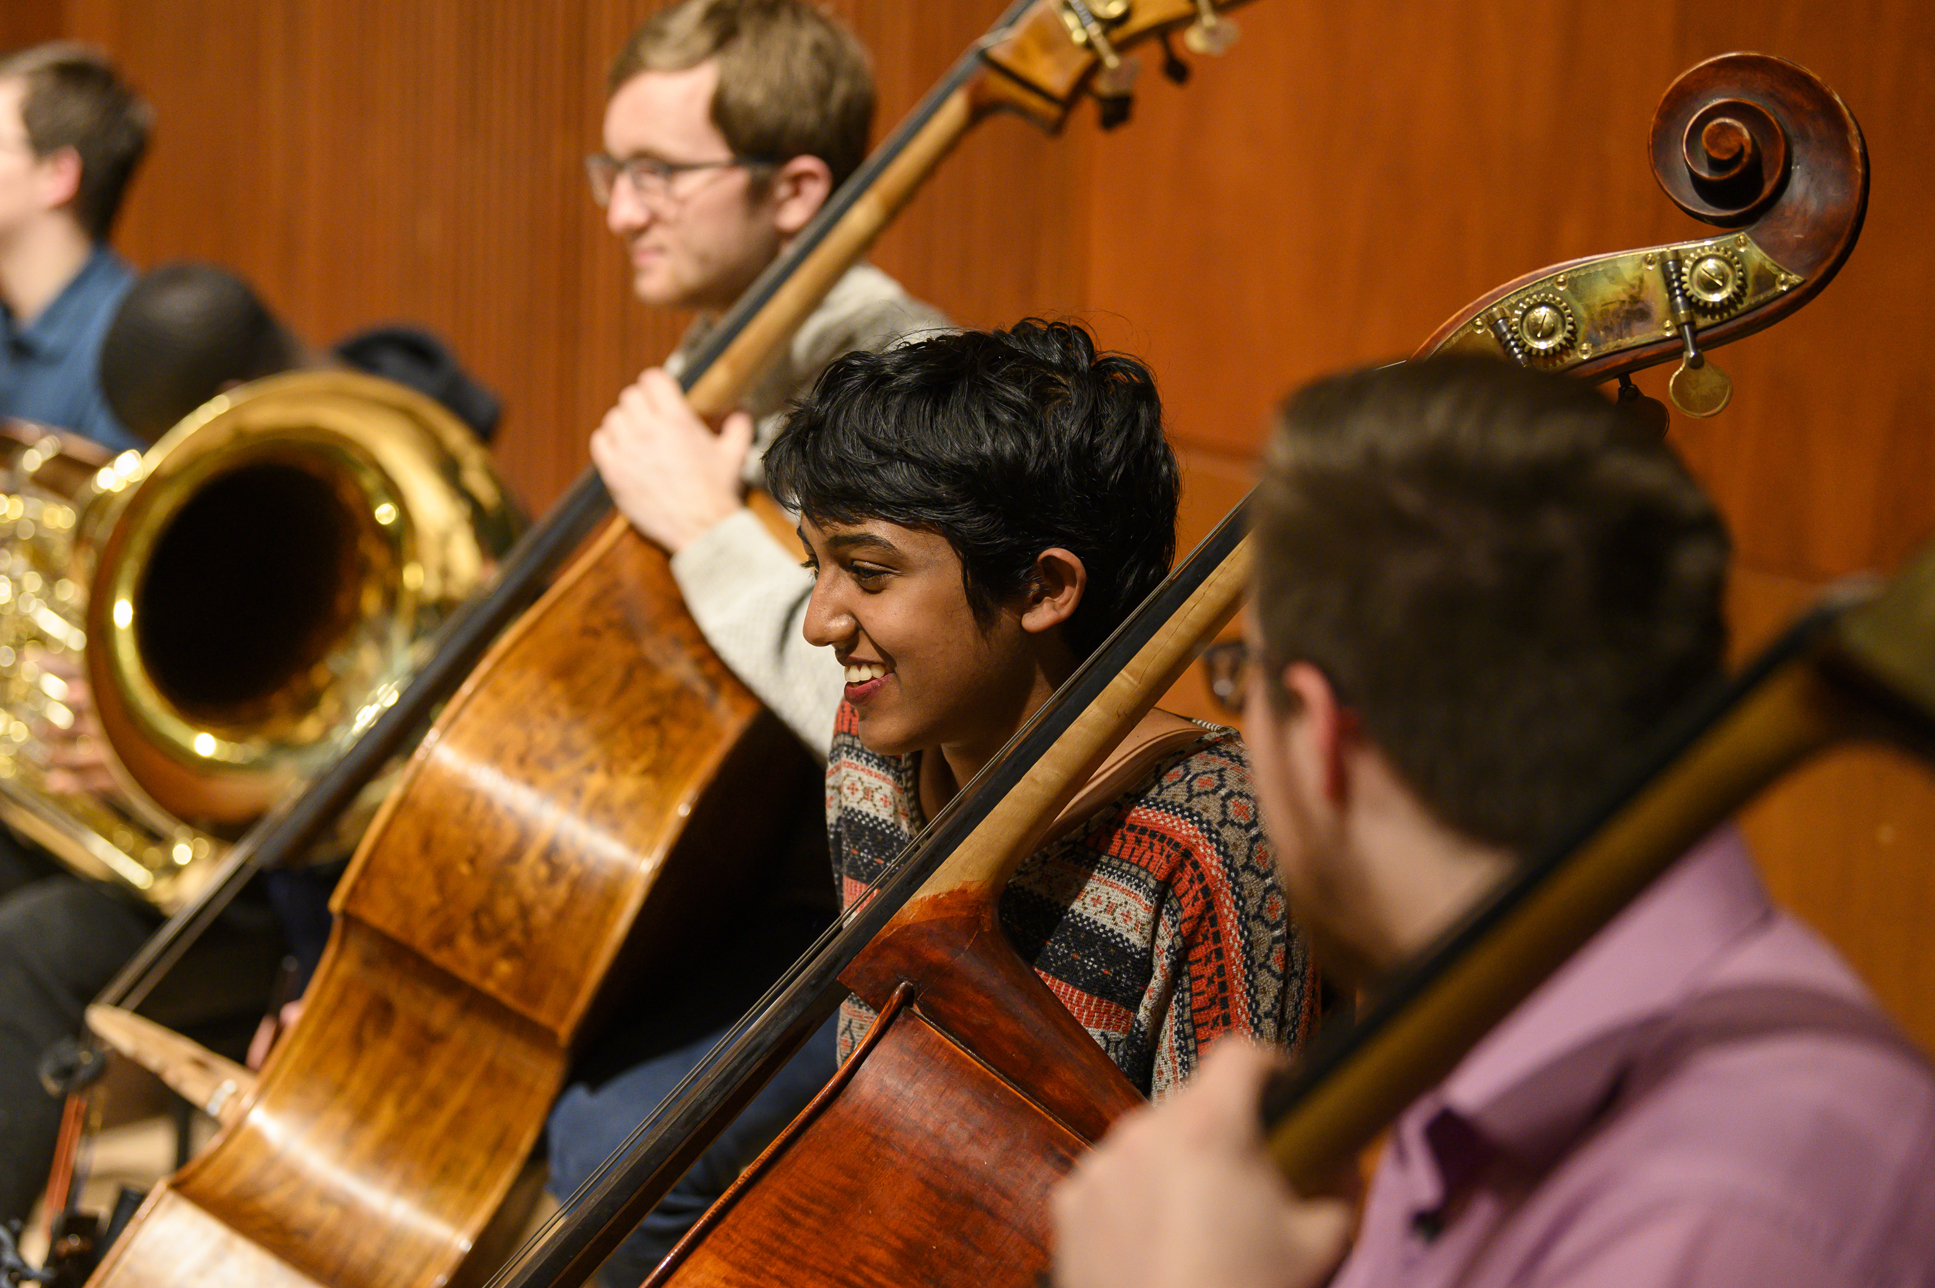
(1159, 923)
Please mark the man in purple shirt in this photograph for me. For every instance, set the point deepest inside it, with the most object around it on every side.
(71, 133)
(1477, 587)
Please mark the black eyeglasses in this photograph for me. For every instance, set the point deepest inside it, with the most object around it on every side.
(1231, 665)
(650, 177)
(1227, 666)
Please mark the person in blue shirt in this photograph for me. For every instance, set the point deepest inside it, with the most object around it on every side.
(71, 134)
(181, 334)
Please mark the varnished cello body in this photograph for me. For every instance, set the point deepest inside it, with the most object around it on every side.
(588, 803)
(928, 1159)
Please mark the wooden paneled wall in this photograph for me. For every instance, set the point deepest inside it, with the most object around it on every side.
(365, 161)
(26, 22)
(1347, 177)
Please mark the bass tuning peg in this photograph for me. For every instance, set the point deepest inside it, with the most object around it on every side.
(1114, 90)
(1649, 410)
(1211, 33)
(1115, 81)
(1173, 66)
(1698, 388)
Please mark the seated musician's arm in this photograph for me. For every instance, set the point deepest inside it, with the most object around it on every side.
(682, 486)
(679, 485)
(667, 472)
(748, 594)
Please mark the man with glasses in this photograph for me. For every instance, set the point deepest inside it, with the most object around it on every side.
(1479, 590)
(729, 124)
(71, 134)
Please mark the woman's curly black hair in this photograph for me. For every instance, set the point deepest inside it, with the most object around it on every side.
(1004, 442)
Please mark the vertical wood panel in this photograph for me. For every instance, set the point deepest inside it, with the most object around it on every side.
(364, 161)
(998, 232)
(1323, 196)
(28, 22)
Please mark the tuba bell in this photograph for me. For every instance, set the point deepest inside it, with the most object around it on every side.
(243, 600)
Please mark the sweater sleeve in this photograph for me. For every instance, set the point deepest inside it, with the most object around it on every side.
(1225, 957)
(749, 596)
(1161, 925)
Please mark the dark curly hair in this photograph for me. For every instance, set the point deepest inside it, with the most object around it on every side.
(1006, 443)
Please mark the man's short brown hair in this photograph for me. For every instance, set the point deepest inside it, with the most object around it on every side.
(74, 99)
(792, 81)
(1510, 580)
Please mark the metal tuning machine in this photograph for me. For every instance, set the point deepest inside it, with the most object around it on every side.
(1699, 388)
(1114, 83)
(1650, 410)
(1593, 310)
(1211, 33)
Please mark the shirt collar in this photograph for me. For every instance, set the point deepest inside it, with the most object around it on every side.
(1534, 1082)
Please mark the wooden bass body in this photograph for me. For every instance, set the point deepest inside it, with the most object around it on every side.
(536, 847)
(932, 1151)
(929, 1158)
(584, 810)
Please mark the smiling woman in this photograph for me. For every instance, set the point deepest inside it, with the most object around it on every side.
(979, 510)
(922, 668)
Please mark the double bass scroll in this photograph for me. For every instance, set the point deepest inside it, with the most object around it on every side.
(1749, 142)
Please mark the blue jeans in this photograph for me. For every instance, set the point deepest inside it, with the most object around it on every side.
(589, 1123)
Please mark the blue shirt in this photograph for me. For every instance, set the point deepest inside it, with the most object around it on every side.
(50, 368)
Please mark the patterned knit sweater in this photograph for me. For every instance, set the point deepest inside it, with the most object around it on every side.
(1159, 923)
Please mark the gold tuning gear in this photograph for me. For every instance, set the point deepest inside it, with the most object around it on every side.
(1114, 83)
(1211, 33)
(1591, 309)
(1698, 388)
(1084, 22)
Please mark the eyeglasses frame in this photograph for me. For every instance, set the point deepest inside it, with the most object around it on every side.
(603, 171)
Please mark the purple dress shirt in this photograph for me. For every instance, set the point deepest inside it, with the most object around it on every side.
(1704, 1095)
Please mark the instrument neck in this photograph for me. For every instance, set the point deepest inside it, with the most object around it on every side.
(1358, 1079)
(732, 355)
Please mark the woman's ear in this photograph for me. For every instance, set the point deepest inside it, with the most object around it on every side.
(1059, 582)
